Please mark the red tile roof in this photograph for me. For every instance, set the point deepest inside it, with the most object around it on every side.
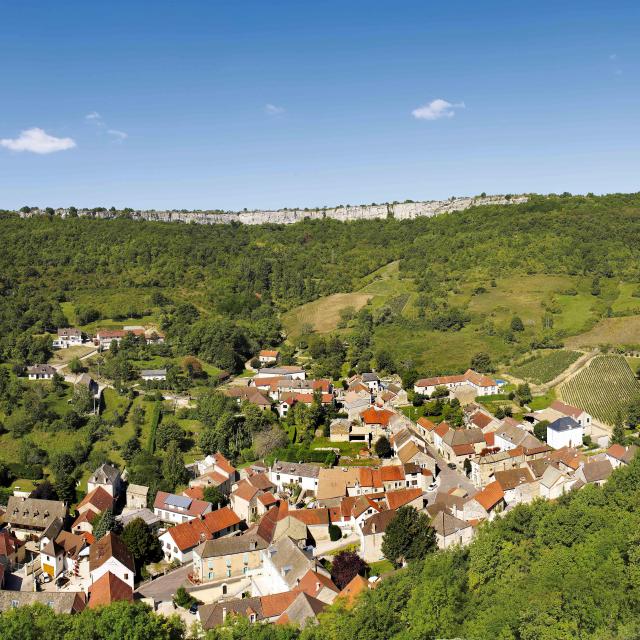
(425, 424)
(567, 409)
(441, 429)
(357, 585)
(99, 498)
(313, 582)
(196, 508)
(110, 546)
(107, 589)
(490, 438)
(9, 544)
(481, 419)
(392, 472)
(189, 534)
(195, 493)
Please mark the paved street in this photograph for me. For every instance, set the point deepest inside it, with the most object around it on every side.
(164, 588)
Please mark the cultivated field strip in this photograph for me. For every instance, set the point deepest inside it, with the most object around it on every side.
(602, 388)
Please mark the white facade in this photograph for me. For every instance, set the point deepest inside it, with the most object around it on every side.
(117, 568)
(565, 438)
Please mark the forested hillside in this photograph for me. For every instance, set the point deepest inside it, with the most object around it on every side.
(219, 291)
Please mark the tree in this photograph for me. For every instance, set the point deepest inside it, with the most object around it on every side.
(173, 469)
(346, 566)
(45, 491)
(409, 536)
(383, 447)
(482, 362)
(265, 442)
(82, 399)
(130, 448)
(75, 366)
(523, 394)
(618, 435)
(517, 324)
(540, 430)
(633, 414)
(214, 496)
(169, 431)
(335, 532)
(144, 546)
(105, 522)
(467, 467)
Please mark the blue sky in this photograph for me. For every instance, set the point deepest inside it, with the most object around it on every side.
(271, 104)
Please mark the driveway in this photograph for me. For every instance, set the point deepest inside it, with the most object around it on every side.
(164, 588)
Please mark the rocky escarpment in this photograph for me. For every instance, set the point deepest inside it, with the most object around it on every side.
(400, 211)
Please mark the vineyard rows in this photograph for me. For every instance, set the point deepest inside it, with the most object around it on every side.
(604, 387)
(544, 368)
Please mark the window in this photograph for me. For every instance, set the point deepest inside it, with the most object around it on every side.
(15, 603)
(228, 573)
(210, 575)
(224, 589)
(126, 576)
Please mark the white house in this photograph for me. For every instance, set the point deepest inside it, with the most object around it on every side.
(564, 432)
(482, 385)
(372, 381)
(68, 337)
(107, 477)
(105, 337)
(110, 554)
(284, 371)
(285, 473)
(579, 415)
(153, 374)
(268, 356)
(41, 372)
(175, 509)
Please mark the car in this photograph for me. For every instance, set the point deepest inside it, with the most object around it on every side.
(433, 486)
(452, 465)
(193, 608)
(45, 578)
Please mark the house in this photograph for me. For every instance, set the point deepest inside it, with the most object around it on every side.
(59, 601)
(579, 415)
(93, 504)
(518, 485)
(41, 372)
(318, 585)
(458, 445)
(110, 554)
(394, 396)
(595, 471)
(12, 550)
(372, 381)
(510, 436)
(179, 542)
(67, 337)
(350, 593)
(355, 402)
(620, 456)
(286, 371)
(426, 428)
(107, 477)
(481, 384)
(268, 356)
(137, 496)
(283, 566)
(107, 589)
(214, 471)
(146, 515)
(28, 518)
(175, 509)
(85, 380)
(302, 611)
(230, 557)
(287, 400)
(564, 432)
(486, 503)
(554, 483)
(104, 337)
(412, 453)
(304, 474)
(249, 394)
(340, 430)
(62, 553)
(450, 530)
(153, 374)
(333, 484)
(371, 534)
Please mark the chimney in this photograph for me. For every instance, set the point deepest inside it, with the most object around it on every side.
(374, 528)
(224, 613)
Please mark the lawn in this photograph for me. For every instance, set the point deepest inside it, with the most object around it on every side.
(542, 402)
(380, 568)
(610, 331)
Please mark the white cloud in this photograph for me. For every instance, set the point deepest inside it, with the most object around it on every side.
(37, 140)
(613, 56)
(436, 109)
(94, 115)
(273, 110)
(118, 135)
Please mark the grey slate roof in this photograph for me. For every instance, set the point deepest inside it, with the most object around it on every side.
(304, 469)
(564, 424)
(445, 524)
(60, 602)
(33, 512)
(104, 474)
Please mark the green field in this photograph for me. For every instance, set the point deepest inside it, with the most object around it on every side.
(545, 366)
(602, 388)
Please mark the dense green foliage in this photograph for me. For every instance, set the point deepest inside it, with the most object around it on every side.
(544, 367)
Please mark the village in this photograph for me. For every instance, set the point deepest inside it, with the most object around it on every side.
(265, 550)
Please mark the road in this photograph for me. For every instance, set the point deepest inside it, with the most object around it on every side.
(164, 588)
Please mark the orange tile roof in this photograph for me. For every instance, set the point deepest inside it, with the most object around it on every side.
(311, 516)
(377, 416)
(392, 473)
(189, 534)
(107, 589)
(479, 379)
(490, 496)
(267, 499)
(441, 429)
(195, 493)
(276, 603)
(196, 508)
(223, 463)
(463, 449)
(567, 409)
(245, 490)
(357, 585)
(313, 582)
(481, 420)
(425, 424)
(490, 438)
(370, 477)
(397, 499)
(269, 353)
(616, 451)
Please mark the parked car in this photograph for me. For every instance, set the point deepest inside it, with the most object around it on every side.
(193, 608)
(452, 466)
(433, 486)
